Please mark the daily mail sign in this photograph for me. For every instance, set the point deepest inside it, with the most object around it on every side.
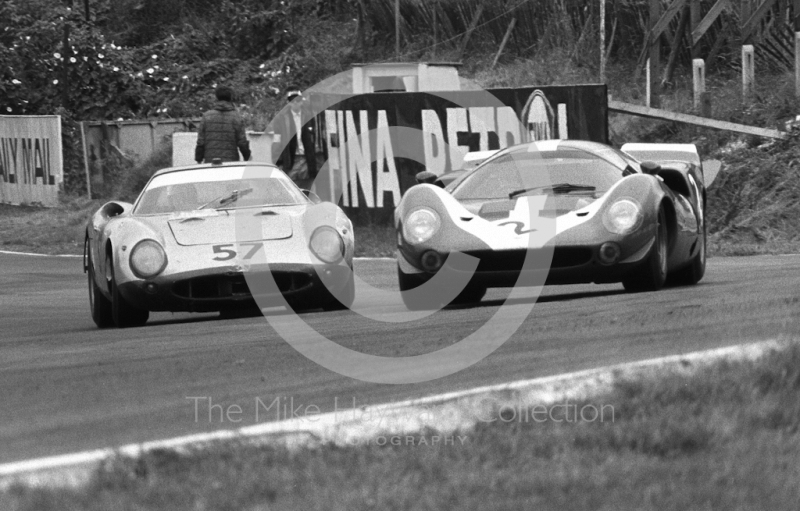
(376, 143)
(31, 170)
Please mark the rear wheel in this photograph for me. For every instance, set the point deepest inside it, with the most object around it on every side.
(124, 314)
(652, 274)
(98, 303)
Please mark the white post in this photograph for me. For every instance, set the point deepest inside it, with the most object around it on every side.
(648, 91)
(397, 28)
(699, 79)
(797, 64)
(748, 69)
(86, 161)
(602, 41)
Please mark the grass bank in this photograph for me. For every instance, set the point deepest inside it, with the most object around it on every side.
(725, 437)
(57, 230)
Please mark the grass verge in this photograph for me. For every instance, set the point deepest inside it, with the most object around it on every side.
(59, 230)
(724, 437)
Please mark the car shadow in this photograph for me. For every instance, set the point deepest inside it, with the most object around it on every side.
(564, 297)
(228, 315)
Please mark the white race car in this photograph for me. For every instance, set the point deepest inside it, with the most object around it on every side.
(198, 237)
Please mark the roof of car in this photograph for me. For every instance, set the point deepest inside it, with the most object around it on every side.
(554, 145)
(211, 165)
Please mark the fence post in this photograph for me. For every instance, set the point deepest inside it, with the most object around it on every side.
(695, 15)
(602, 41)
(699, 80)
(748, 70)
(86, 167)
(654, 62)
(797, 64)
(397, 28)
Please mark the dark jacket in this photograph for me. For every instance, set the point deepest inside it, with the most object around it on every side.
(221, 135)
(284, 124)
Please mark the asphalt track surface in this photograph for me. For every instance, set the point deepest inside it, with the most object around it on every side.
(66, 386)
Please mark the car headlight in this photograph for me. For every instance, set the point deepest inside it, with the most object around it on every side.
(148, 259)
(327, 244)
(421, 225)
(624, 216)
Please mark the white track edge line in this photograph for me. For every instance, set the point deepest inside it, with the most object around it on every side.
(11, 252)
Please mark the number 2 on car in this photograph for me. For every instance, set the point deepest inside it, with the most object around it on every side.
(226, 252)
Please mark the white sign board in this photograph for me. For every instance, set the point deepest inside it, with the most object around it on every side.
(31, 166)
(183, 144)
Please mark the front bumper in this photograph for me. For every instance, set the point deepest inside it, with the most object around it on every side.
(551, 266)
(218, 289)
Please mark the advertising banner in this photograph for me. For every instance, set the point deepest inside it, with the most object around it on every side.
(31, 169)
(375, 144)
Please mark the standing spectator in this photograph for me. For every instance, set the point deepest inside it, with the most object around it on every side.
(221, 133)
(299, 161)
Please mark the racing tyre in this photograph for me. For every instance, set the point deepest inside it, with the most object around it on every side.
(693, 273)
(98, 303)
(124, 314)
(348, 296)
(652, 274)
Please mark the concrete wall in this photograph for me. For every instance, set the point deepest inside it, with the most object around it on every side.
(416, 77)
(136, 139)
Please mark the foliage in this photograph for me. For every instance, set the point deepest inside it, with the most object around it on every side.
(183, 50)
(129, 176)
(755, 203)
(159, 58)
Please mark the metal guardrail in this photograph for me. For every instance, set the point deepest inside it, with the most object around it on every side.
(665, 115)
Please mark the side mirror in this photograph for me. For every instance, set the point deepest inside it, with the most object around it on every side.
(115, 208)
(313, 197)
(428, 177)
(650, 167)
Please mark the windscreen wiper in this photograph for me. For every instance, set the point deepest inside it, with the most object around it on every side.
(228, 198)
(557, 188)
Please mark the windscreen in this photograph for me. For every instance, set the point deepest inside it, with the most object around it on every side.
(218, 188)
(500, 178)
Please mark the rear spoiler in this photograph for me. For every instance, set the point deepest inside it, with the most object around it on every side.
(663, 152)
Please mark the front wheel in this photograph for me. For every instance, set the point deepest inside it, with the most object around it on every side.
(415, 300)
(124, 314)
(652, 274)
(98, 303)
(346, 297)
(693, 273)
